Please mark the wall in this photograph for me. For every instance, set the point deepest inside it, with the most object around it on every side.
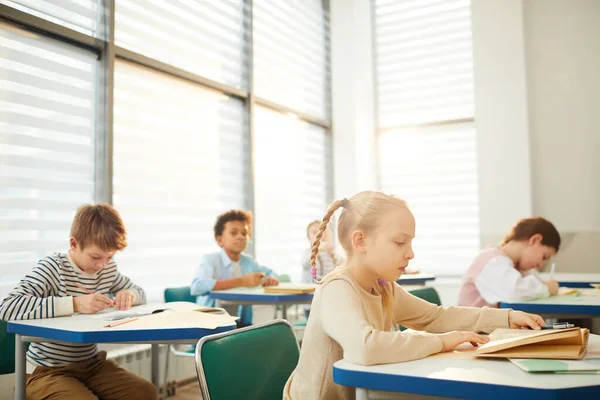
(537, 93)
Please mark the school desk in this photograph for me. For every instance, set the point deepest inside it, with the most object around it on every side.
(415, 279)
(574, 280)
(584, 306)
(80, 328)
(463, 377)
(257, 296)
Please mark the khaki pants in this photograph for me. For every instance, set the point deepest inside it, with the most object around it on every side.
(95, 378)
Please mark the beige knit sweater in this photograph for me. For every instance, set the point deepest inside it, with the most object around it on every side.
(347, 322)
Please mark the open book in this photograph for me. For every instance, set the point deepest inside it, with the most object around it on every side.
(289, 288)
(565, 344)
(147, 309)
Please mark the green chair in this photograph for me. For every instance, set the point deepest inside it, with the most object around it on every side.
(7, 349)
(428, 294)
(251, 363)
(178, 294)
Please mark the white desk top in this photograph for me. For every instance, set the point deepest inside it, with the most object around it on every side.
(82, 328)
(439, 370)
(571, 277)
(257, 295)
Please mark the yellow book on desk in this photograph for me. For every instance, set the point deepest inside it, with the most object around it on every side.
(562, 344)
(291, 288)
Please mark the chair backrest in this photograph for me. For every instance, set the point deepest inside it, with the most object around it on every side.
(249, 363)
(7, 349)
(179, 294)
(429, 294)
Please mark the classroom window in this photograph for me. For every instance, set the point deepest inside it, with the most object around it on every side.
(427, 139)
(291, 55)
(180, 153)
(47, 138)
(292, 187)
(81, 15)
(205, 37)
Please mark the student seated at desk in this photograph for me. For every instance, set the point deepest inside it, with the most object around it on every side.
(55, 288)
(327, 259)
(356, 306)
(509, 272)
(230, 268)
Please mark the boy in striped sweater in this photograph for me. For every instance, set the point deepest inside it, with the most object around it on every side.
(54, 288)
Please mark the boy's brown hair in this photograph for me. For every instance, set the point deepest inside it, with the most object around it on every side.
(525, 228)
(99, 225)
(233, 215)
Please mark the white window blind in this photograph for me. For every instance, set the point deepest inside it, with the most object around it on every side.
(205, 37)
(434, 169)
(47, 134)
(179, 160)
(292, 164)
(79, 15)
(424, 61)
(424, 75)
(291, 54)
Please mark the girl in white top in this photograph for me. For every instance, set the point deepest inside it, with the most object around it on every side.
(356, 306)
(509, 272)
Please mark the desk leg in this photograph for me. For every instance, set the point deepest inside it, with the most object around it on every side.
(155, 362)
(20, 369)
(362, 394)
(284, 311)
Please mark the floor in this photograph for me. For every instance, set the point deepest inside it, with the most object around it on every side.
(188, 392)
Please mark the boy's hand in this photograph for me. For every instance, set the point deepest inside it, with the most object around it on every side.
(270, 281)
(252, 279)
(91, 303)
(552, 287)
(520, 319)
(124, 299)
(451, 340)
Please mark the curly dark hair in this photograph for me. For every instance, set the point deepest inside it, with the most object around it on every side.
(233, 215)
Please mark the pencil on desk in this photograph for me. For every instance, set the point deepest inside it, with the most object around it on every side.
(121, 322)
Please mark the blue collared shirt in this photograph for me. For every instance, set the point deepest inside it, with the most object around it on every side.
(218, 266)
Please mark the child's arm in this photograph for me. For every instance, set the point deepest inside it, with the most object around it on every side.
(344, 321)
(35, 296)
(419, 314)
(204, 280)
(500, 281)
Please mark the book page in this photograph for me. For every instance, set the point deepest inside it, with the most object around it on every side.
(179, 319)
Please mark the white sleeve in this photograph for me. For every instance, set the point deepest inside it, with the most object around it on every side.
(500, 281)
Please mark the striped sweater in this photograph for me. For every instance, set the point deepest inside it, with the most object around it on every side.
(48, 291)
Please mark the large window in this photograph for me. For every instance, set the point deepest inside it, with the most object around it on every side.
(427, 140)
(47, 136)
(179, 113)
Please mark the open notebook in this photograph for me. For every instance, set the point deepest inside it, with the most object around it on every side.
(564, 344)
(148, 309)
(289, 288)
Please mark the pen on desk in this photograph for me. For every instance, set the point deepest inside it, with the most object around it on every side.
(552, 268)
(121, 322)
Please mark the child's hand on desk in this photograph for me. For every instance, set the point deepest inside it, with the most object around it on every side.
(252, 279)
(451, 340)
(124, 300)
(91, 303)
(270, 281)
(552, 287)
(520, 319)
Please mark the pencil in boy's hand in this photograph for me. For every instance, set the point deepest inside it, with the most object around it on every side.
(121, 322)
(88, 291)
(83, 288)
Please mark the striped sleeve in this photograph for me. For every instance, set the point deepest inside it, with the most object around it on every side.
(122, 282)
(34, 297)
